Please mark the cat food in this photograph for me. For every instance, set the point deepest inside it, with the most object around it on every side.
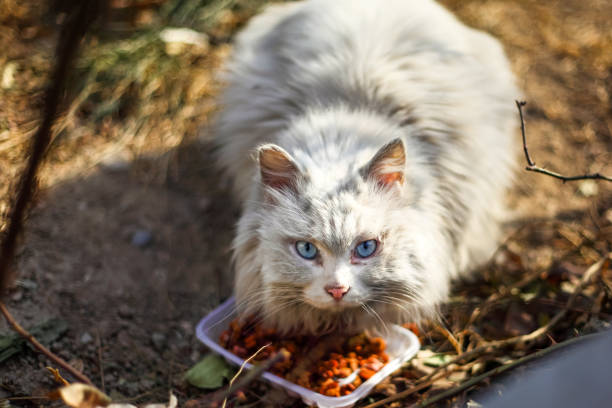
(329, 365)
(400, 346)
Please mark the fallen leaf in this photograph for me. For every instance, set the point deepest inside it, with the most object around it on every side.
(209, 373)
(79, 395)
(57, 376)
(172, 403)
(437, 360)
(8, 75)
(588, 188)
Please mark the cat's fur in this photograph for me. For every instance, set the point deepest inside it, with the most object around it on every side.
(314, 91)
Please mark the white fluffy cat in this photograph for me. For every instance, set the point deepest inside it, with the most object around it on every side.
(371, 146)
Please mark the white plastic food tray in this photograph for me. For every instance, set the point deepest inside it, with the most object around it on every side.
(402, 345)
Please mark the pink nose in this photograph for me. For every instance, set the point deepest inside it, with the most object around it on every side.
(337, 291)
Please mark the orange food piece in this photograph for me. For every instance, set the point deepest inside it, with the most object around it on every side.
(384, 357)
(373, 363)
(332, 392)
(366, 373)
(378, 344)
(313, 363)
(344, 372)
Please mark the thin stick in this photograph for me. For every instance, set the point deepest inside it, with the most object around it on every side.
(585, 280)
(255, 372)
(534, 335)
(410, 391)
(56, 359)
(531, 164)
(100, 364)
(449, 336)
(495, 297)
(248, 360)
(67, 46)
(501, 369)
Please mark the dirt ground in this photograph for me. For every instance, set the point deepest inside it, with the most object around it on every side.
(129, 238)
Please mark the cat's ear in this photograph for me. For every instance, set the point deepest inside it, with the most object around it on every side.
(277, 168)
(388, 164)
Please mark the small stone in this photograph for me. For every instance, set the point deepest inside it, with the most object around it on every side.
(159, 340)
(608, 215)
(86, 338)
(147, 384)
(186, 327)
(588, 188)
(125, 311)
(17, 296)
(27, 284)
(141, 238)
(116, 395)
(117, 161)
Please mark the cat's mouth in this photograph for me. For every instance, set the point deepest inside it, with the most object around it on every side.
(333, 305)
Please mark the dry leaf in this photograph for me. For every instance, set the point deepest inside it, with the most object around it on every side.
(57, 376)
(79, 395)
(173, 403)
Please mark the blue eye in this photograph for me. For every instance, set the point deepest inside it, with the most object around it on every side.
(365, 249)
(306, 249)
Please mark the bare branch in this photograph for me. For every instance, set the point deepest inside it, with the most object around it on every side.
(70, 37)
(494, 345)
(501, 369)
(29, 337)
(67, 46)
(253, 374)
(531, 164)
(418, 387)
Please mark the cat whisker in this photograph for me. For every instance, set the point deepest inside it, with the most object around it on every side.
(374, 314)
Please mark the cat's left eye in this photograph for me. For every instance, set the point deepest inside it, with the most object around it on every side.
(366, 249)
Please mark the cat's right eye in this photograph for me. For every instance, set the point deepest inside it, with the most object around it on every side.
(306, 250)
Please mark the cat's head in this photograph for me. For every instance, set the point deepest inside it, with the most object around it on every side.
(338, 251)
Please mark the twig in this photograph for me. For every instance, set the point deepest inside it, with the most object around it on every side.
(449, 336)
(57, 376)
(445, 369)
(531, 164)
(56, 359)
(501, 369)
(255, 372)
(248, 360)
(100, 363)
(34, 397)
(586, 278)
(534, 335)
(495, 297)
(67, 46)
(401, 395)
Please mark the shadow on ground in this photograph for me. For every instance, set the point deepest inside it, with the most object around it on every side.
(131, 265)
